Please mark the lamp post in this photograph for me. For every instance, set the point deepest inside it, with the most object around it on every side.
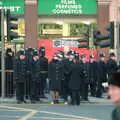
(2, 53)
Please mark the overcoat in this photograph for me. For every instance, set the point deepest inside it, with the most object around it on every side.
(55, 74)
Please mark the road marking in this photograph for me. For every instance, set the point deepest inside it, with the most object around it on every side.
(53, 118)
(33, 112)
(26, 117)
(29, 115)
(67, 115)
(9, 116)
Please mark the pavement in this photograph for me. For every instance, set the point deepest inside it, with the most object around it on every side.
(92, 100)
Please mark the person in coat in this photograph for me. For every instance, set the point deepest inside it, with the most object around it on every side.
(112, 66)
(92, 75)
(114, 93)
(20, 69)
(101, 74)
(67, 61)
(9, 72)
(29, 58)
(56, 75)
(35, 72)
(75, 81)
(43, 71)
(85, 80)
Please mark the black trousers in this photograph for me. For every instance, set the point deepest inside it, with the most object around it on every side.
(20, 91)
(35, 91)
(75, 97)
(93, 89)
(42, 84)
(84, 91)
(99, 89)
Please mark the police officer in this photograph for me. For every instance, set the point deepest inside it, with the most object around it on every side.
(85, 80)
(9, 72)
(35, 71)
(56, 75)
(67, 61)
(101, 74)
(29, 58)
(75, 81)
(111, 65)
(92, 75)
(20, 69)
(43, 70)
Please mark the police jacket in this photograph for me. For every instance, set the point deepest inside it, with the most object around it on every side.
(111, 67)
(20, 68)
(9, 62)
(43, 66)
(92, 72)
(101, 71)
(76, 76)
(35, 71)
(56, 74)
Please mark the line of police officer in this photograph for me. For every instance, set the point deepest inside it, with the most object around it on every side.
(74, 77)
(30, 68)
(69, 75)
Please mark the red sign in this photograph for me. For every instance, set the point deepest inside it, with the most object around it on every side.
(51, 49)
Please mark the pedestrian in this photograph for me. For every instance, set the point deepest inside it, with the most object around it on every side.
(85, 80)
(20, 69)
(75, 81)
(112, 66)
(9, 58)
(56, 75)
(114, 93)
(43, 71)
(35, 72)
(92, 75)
(67, 61)
(101, 74)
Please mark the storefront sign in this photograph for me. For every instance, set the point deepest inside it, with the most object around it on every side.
(15, 6)
(63, 42)
(67, 6)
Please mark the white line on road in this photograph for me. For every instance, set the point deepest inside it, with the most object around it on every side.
(66, 115)
(33, 112)
(26, 117)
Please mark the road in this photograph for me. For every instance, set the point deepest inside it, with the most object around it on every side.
(96, 109)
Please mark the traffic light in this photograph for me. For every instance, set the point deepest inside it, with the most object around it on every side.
(84, 42)
(105, 40)
(11, 26)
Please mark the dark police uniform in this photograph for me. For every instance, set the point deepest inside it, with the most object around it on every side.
(9, 73)
(29, 59)
(55, 74)
(101, 76)
(20, 69)
(35, 71)
(75, 81)
(84, 82)
(92, 76)
(112, 66)
(43, 74)
(67, 68)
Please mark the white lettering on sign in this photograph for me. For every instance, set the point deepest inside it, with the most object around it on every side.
(12, 8)
(67, 1)
(68, 7)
